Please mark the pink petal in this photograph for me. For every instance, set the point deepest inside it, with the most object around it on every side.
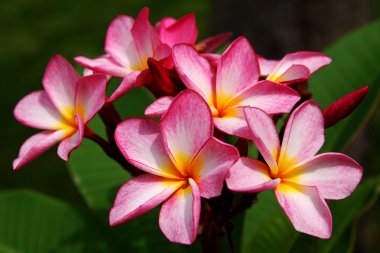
(307, 211)
(60, 82)
(238, 69)
(90, 96)
(139, 195)
(186, 127)
(194, 70)
(184, 30)
(211, 44)
(303, 136)
(266, 66)
(335, 175)
(120, 44)
(159, 106)
(179, 215)
(126, 85)
(163, 24)
(233, 122)
(265, 136)
(250, 175)
(36, 145)
(295, 73)
(210, 166)
(162, 51)
(270, 97)
(145, 36)
(36, 110)
(72, 142)
(311, 60)
(104, 65)
(140, 142)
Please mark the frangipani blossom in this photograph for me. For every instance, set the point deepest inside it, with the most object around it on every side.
(301, 180)
(233, 86)
(183, 161)
(62, 110)
(295, 67)
(184, 30)
(129, 44)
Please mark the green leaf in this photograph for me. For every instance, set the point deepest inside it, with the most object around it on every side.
(32, 222)
(356, 61)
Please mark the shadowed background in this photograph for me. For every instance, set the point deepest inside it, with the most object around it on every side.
(33, 31)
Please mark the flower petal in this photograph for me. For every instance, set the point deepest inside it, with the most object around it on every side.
(145, 36)
(238, 69)
(179, 215)
(335, 175)
(295, 73)
(194, 70)
(311, 60)
(307, 211)
(90, 96)
(184, 30)
(119, 42)
(250, 175)
(36, 110)
(270, 97)
(140, 142)
(303, 136)
(265, 136)
(266, 66)
(186, 127)
(104, 65)
(37, 144)
(159, 106)
(60, 82)
(210, 166)
(210, 44)
(72, 142)
(233, 122)
(126, 85)
(139, 195)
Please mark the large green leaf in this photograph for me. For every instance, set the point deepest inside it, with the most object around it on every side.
(356, 61)
(31, 222)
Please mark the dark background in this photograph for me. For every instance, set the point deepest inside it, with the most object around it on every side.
(33, 31)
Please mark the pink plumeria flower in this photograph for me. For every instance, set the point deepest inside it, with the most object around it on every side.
(129, 44)
(185, 30)
(62, 110)
(234, 86)
(295, 67)
(183, 161)
(301, 180)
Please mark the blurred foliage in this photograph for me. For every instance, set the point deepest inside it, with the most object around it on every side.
(33, 31)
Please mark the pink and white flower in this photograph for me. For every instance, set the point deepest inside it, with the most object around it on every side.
(234, 85)
(67, 103)
(295, 67)
(301, 179)
(129, 44)
(183, 161)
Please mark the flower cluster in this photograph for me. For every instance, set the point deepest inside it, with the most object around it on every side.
(183, 160)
